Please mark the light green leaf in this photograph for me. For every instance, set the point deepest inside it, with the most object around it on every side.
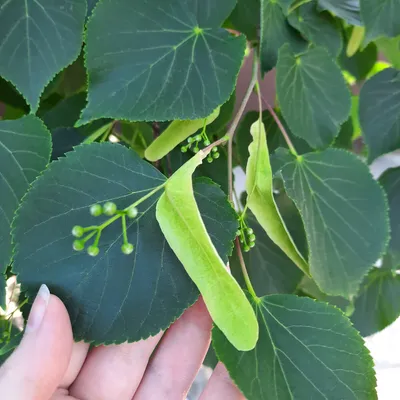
(184, 229)
(275, 32)
(260, 197)
(381, 18)
(37, 40)
(390, 181)
(391, 49)
(380, 112)
(313, 95)
(176, 132)
(162, 60)
(25, 147)
(112, 297)
(269, 268)
(306, 350)
(6, 348)
(319, 28)
(345, 217)
(349, 10)
(378, 303)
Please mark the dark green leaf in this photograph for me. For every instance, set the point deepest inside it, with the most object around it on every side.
(391, 49)
(349, 10)
(38, 39)
(390, 181)
(345, 138)
(112, 297)
(211, 359)
(65, 113)
(3, 290)
(380, 112)
(270, 270)
(160, 59)
(91, 6)
(306, 350)
(275, 32)
(378, 303)
(64, 140)
(362, 62)
(313, 95)
(10, 96)
(381, 18)
(345, 217)
(245, 18)
(25, 148)
(319, 28)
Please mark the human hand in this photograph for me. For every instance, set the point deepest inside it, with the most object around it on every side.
(49, 365)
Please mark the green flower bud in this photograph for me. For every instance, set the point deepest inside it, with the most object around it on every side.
(132, 212)
(184, 149)
(210, 159)
(190, 140)
(238, 232)
(96, 210)
(78, 245)
(109, 208)
(196, 149)
(214, 149)
(207, 142)
(77, 231)
(197, 138)
(252, 237)
(246, 248)
(93, 251)
(127, 248)
(252, 244)
(249, 231)
(215, 155)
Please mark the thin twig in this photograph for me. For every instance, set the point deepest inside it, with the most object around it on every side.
(244, 270)
(281, 127)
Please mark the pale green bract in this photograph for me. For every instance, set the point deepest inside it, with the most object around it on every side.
(181, 223)
(260, 198)
(176, 132)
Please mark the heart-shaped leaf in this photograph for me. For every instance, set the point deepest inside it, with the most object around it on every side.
(25, 147)
(345, 217)
(312, 94)
(381, 18)
(380, 112)
(319, 28)
(112, 297)
(275, 32)
(187, 66)
(306, 350)
(37, 40)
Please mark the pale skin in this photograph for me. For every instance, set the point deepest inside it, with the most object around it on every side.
(48, 365)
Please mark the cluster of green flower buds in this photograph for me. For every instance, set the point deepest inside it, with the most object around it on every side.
(246, 237)
(109, 209)
(195, 141)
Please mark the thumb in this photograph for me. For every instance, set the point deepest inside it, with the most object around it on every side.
(37, 366)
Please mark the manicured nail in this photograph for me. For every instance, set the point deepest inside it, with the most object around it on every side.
(38, 309)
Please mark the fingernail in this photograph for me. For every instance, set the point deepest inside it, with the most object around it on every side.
(38, 309)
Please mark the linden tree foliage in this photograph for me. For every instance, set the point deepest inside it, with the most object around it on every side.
(125, 139)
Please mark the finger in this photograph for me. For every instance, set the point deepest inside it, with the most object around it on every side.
(176, 362)
(78, 356)
(220, 386)
(37, 366)
(113, 372)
